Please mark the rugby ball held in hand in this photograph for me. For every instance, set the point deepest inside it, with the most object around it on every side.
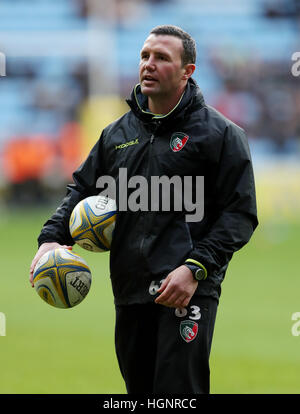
(62, 278)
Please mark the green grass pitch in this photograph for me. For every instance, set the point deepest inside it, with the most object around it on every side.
(48, 350)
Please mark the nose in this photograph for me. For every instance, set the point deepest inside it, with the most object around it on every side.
(150, 64)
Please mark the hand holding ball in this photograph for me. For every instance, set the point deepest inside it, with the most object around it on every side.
(62, 278)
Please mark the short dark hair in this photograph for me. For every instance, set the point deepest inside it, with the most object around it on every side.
(189, 44)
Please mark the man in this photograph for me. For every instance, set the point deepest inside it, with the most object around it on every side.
(166, 271)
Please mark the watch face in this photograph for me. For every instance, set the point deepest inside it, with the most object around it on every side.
(200, 274)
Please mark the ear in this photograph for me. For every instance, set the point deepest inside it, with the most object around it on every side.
(189, 69)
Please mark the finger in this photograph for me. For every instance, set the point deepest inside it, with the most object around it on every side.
(34, 262)
(163, 296)
(172, 304)
(32, 266)
(31, 279)
(31, 275)
(184, 302)
(68, 247)
(167, 298)
(179, 302)
(164, 284)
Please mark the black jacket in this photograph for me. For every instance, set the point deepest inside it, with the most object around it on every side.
(148, 245)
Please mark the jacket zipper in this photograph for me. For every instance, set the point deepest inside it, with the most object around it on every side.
(148, 176)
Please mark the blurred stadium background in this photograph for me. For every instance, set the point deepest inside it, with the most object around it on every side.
(69, 66)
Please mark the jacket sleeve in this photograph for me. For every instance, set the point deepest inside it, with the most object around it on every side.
(235, 199)
(84, 185)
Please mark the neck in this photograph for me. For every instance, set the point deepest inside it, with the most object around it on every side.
(164, 105)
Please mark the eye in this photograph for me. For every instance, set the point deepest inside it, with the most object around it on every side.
(162, 57)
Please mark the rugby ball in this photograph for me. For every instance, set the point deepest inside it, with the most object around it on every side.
(62, 278)
(92, 223)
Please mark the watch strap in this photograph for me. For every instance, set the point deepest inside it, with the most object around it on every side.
(194, 265)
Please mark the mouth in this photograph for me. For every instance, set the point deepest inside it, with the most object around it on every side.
(149, 78)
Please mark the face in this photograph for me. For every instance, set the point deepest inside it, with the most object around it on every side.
(161, 73)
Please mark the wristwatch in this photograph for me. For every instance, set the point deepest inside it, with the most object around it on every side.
(199, 273)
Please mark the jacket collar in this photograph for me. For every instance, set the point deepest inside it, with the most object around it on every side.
(191, 99)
